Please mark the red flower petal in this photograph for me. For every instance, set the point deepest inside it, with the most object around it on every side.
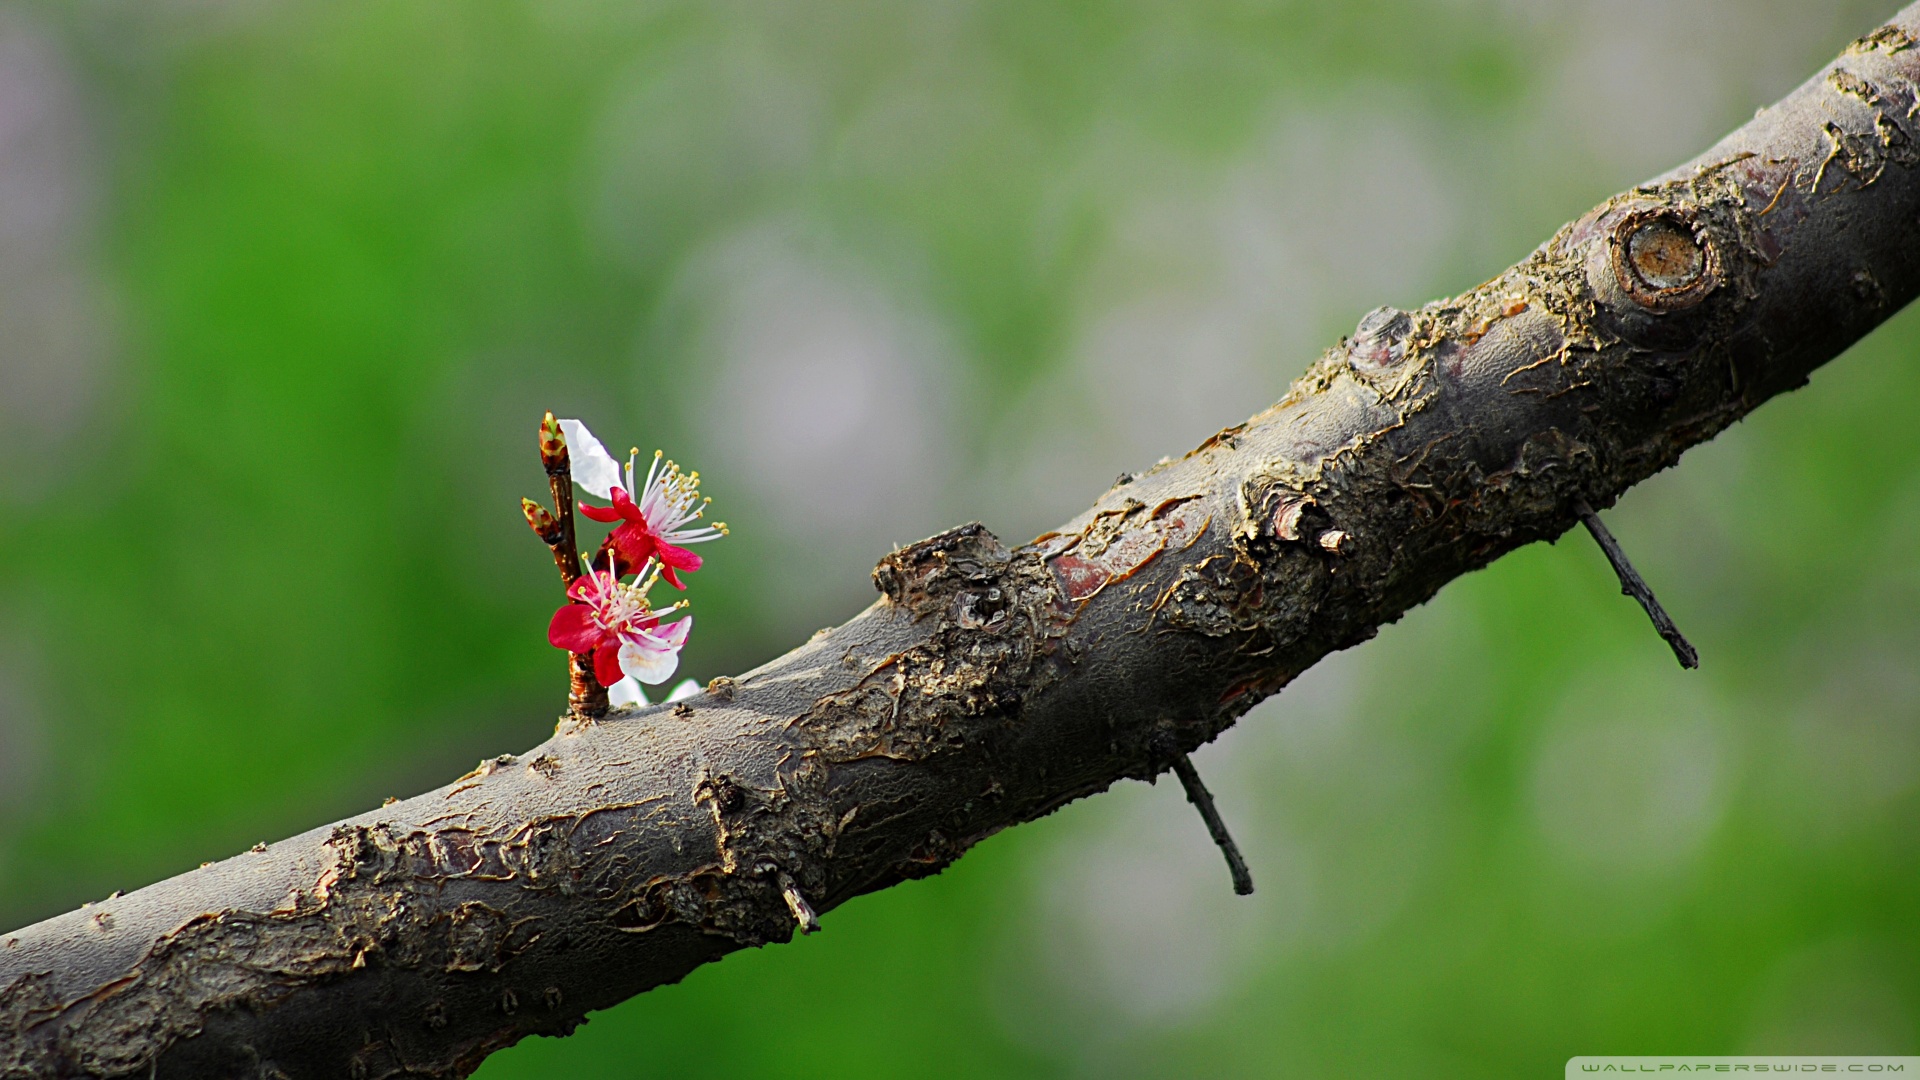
(599, 513)
(634, 542)
(591, 587)
(677, 557)
(624, 503)
(572, 629)
(674, 559)
(606, 663)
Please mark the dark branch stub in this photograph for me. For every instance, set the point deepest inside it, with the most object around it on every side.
(1202, 800)
(1632, 584)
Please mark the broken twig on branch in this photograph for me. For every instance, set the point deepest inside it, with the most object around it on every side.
(1631, 584)
(1202, 800)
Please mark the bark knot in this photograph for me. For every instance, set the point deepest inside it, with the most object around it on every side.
(1663, 259)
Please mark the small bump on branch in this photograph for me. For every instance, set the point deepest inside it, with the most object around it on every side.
(1202, 800)
(1631, 584)
(803, 913)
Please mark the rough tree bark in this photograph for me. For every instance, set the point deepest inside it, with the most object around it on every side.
(988, 686)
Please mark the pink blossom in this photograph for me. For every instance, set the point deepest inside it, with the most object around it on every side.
(654, 526)
(613, 621)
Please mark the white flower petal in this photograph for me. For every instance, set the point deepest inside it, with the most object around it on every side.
(593, 468)
(649, 665)
(684, 691)
(652, 656)
(626, 692)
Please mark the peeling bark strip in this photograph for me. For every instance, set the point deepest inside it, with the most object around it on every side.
(989, 685)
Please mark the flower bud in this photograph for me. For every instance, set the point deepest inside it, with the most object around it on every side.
(542, 522)
(553, 444)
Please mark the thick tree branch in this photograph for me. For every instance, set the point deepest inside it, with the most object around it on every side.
(988, 686)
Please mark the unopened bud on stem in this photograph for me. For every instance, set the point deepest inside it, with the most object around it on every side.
(543, 524)
(553, 444)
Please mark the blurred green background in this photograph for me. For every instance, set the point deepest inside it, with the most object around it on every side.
(285, 286)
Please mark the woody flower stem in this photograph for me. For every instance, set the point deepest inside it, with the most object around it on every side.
(586, 697)
(989, 684)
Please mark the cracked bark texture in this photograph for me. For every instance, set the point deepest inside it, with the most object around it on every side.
(989, 685)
